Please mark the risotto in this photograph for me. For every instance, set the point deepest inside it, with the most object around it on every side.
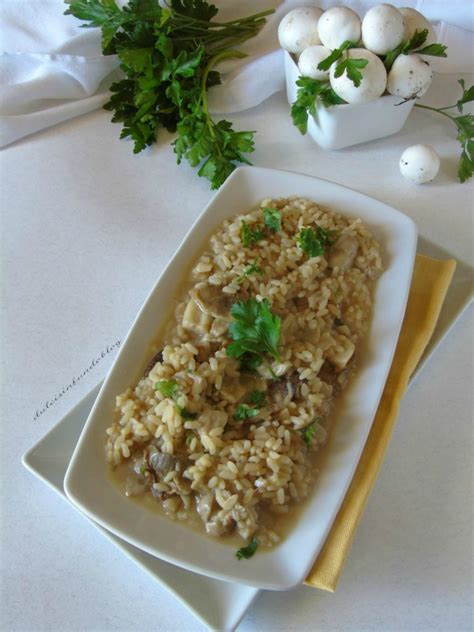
(224, 427)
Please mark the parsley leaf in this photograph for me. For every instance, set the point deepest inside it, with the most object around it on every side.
(338, 322)
(314, 242)
(308, 433)
(272, 219)
(250, 269)
(434, 50)
(198, 9)
(250, 362)
(247, 551)
(185, 414)
(351, 68)
(259, 398)
(243, 412)
(167, 55)
(414, 44)
(348, 65)
(465, 126)
(168, 388)
(336, 54)
(250, 235)
(255, 331)
(467, 95)
(309, 91)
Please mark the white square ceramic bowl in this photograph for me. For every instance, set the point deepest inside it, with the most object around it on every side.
(344, 125)
(87, 484)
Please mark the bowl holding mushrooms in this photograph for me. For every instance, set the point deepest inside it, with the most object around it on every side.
(349, 80)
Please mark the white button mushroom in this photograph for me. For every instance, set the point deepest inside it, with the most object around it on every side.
(419, 163)
(299, 29)
(410, 77)
(338, 25)
(414, 21)
(374, 79)
(309, 60)
(383, 29)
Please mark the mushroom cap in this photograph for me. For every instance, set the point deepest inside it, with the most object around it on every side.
(419, 163)
(374, 79)
(409, 77)
(338, 25)
(309, 60)
(414, 21)
(383, 29)
(299, 29)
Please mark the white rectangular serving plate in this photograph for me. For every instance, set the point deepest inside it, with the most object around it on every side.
(87, 484)
(49, 457)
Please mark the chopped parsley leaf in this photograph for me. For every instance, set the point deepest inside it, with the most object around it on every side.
(339, 322)
(168, 388)
(259, 398)
(185, 414)
(272, 219)
(314, 242)
(243, 412)
(247, 551)
(309, 432)
(250, 362)
(249, 235)
(250, 269)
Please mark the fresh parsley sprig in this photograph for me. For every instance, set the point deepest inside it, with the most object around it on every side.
(168, 57)
(255, 332)
(347, 65)
(413, 45)
(335, 55)
(310, 92)
(465, 130)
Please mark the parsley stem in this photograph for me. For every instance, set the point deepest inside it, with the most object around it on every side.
(233, 41)
(215, 59)
(238, 22)
(439, 110)
(448, 107)
(251, 18)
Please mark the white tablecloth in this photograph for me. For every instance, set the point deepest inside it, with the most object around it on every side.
(86, 229)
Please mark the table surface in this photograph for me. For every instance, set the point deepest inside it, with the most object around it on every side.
(86, 230)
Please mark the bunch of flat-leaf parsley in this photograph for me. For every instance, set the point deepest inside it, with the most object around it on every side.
(167, 56)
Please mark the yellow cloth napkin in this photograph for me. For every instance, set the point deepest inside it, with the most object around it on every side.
(430, 282)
